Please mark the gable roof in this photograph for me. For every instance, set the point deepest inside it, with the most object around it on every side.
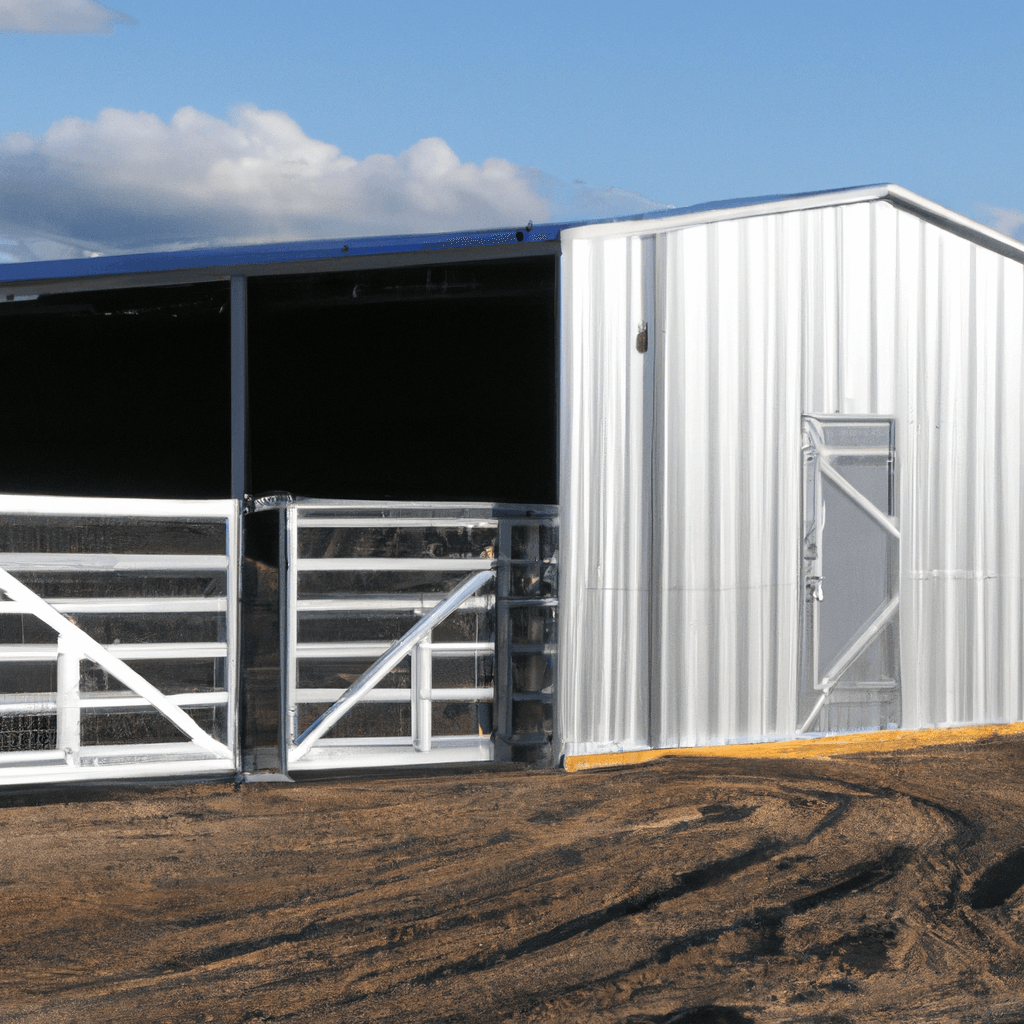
(735, 209)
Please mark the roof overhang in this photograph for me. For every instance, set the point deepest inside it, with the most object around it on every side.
(151, 278)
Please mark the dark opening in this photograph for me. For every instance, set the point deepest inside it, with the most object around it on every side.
(118, 393)
(427, 383)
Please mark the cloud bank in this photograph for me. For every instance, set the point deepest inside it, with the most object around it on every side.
(60, 17)
(132, 182)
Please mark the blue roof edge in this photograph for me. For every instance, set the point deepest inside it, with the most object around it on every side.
(296, 251)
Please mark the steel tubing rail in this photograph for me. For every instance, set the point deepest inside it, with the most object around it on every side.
(387, 661)
(858, 499)
(60, 561)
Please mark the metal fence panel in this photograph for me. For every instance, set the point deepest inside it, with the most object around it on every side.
(118, 638)
(417, 633)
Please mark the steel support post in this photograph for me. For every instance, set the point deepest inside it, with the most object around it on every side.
(69, 703)
(289, 591)
(422, 681)
(239, 388)
(503, 683)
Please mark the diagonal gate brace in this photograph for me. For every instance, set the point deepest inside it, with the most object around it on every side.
(387, 661)
(78, 641)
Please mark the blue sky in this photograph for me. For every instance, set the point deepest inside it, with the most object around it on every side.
(673, 102)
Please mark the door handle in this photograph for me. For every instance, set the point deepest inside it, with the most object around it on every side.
(814, 588)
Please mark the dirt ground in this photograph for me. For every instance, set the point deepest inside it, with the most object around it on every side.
(878, 887)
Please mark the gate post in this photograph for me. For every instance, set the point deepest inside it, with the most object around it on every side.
(422, 680)
(503, 645)
(69, 704)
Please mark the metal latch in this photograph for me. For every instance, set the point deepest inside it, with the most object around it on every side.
(814, 587)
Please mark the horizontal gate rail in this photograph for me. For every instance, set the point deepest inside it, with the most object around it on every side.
(133, 652)
(101, 605)
(48, 562)
(33, 703)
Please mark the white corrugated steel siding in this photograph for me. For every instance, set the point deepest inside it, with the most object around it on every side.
(681, 476)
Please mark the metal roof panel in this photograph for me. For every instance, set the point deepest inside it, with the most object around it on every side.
(224, 258)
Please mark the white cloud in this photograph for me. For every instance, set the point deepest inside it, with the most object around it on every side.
(60, 17)
(1010, 222)
(131, 182)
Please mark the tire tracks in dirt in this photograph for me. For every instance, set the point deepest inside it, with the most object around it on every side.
(670, 893)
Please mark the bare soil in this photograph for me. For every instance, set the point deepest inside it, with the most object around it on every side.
(882, 887)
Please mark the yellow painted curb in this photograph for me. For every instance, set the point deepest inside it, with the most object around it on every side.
(819, 746)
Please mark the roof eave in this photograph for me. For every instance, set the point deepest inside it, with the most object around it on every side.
(904, 199)
(127, 278)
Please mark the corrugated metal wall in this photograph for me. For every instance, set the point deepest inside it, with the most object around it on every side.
(681, 473)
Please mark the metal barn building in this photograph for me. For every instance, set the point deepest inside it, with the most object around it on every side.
(739, 472)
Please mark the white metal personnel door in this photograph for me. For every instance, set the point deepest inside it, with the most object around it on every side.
(851, 679)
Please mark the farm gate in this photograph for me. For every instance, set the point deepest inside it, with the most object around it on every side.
(118, 638)
(418, 633)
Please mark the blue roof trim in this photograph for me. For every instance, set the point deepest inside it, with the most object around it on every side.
(289, 252)
(270, 252)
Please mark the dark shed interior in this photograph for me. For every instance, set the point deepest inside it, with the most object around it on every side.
(118, 393)
(425, 383)
(422, 383)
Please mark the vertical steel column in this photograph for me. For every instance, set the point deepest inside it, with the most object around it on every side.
(69, 704)
(535, 625)
(285, 726)
(232, 633)
(239, 388)
(239, 310)
(422, 680)
(503, 683)
(290, 627)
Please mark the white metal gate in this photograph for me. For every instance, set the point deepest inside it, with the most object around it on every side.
(118, 638)
(851, 678)
(413, 632)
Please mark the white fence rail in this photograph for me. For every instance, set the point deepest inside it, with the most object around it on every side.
(118, 638)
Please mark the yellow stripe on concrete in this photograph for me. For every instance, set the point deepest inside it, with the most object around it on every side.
(819, 746)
